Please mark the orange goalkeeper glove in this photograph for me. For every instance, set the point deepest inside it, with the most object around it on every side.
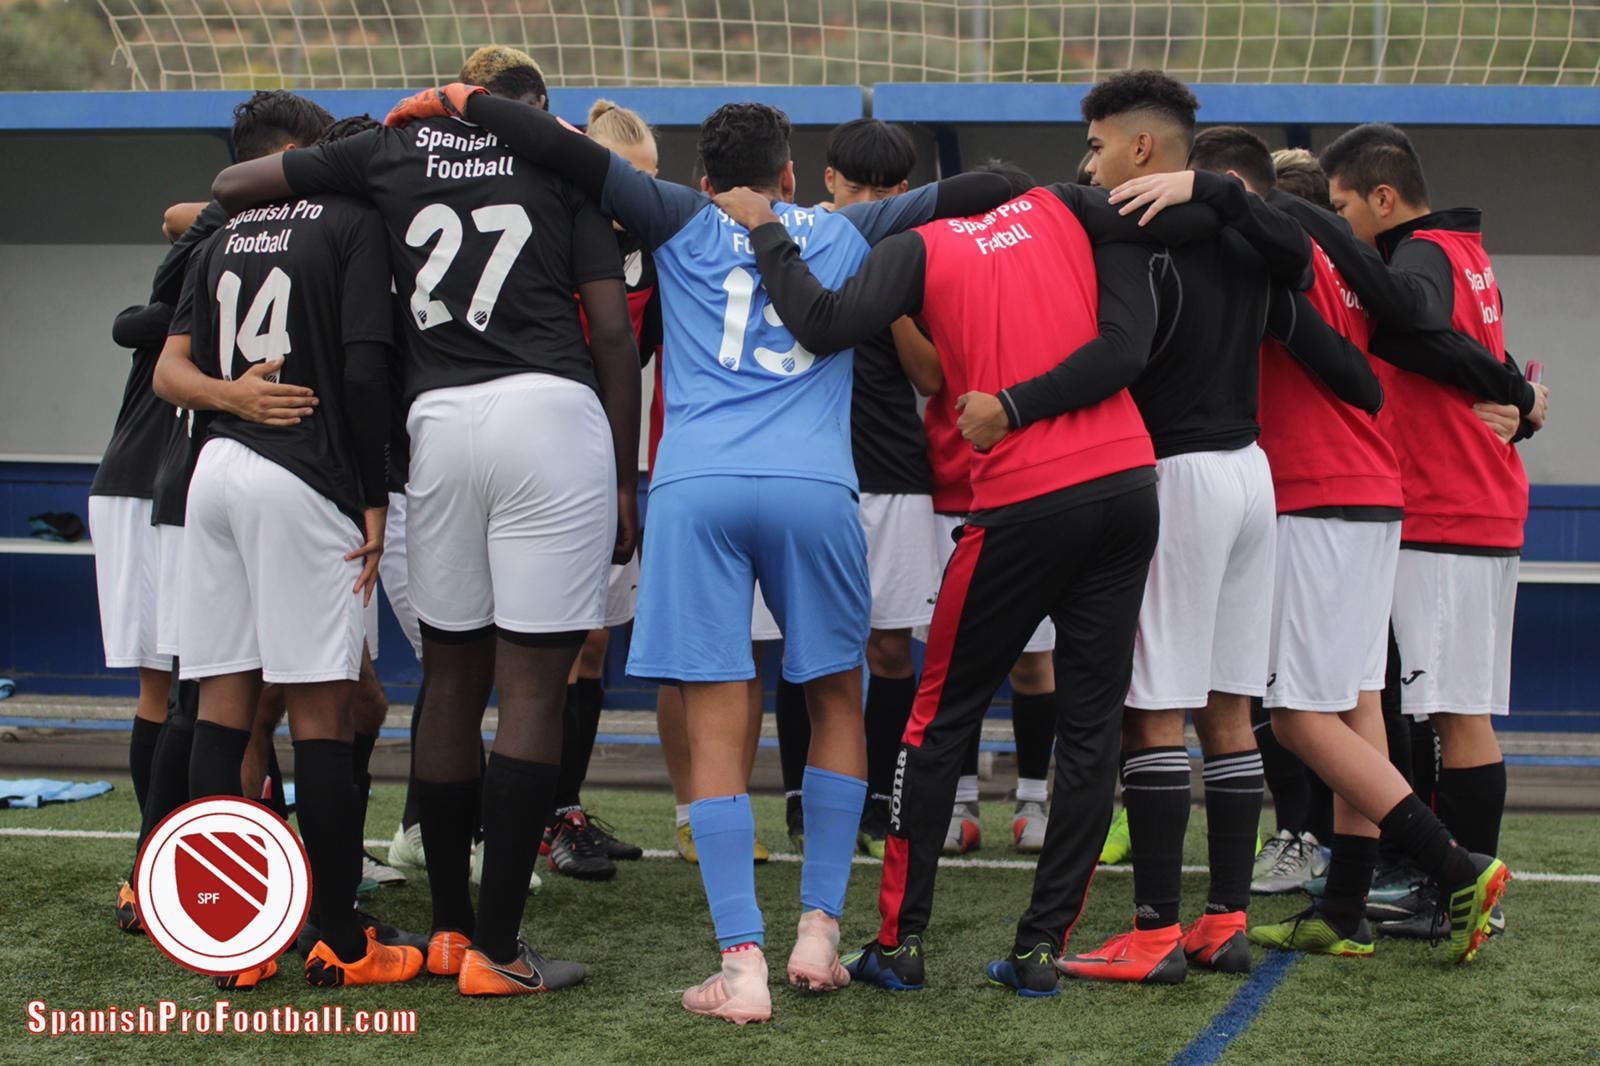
(447, 102)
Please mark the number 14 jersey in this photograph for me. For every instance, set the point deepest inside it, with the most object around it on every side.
(486, 249)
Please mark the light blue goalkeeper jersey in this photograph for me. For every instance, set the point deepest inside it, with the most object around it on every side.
(741, 396)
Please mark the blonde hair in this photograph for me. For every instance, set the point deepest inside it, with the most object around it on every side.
(493, 60)
(1292, 157)
(617, 125)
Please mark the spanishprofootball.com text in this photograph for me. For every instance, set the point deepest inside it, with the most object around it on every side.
(165, 1016)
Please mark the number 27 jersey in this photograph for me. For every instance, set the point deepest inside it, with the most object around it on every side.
(486, 248)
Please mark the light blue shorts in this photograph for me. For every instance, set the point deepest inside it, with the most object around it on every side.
(708, 539)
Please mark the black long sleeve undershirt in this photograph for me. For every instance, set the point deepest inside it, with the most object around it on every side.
(142, 326)
(1276, 238)
(1110, 362)
(888, 286)
(1453, 358)
(1294, 322)
(366, 407)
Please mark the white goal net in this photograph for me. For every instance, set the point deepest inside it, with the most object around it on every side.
(239, 44)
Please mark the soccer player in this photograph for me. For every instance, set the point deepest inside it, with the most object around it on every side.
(1063, 520)
(869, 160)
(754, 478)
(285, 518)
(578, 844)
(516, 505)
(1421, 272)
(1205, 622)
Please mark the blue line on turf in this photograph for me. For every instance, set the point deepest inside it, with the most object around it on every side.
(1231, 1021)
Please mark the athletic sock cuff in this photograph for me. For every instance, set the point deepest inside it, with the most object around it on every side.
(1236, 772)
(824, 789)
(1154, 763)
(1032, 790)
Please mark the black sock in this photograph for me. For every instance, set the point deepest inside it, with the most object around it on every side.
(794, 735)
(1155, 793)
(1344, 903)
(324, 770)
(169, 775)
(1397, 732)
(580, 725)
(1233, 818)
(969, 764)
(412, 815)
(361, 774)
(1424, 775)
(275, 797)
(141, 749)
(1319, 812)
(216, 759)
(1033, 726)
(1284, 773)
(1421, 837)
(448, 814)
(1472, 801)
(889, 701)
(518, 797)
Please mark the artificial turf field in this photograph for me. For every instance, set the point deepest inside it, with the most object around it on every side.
(1532, 996)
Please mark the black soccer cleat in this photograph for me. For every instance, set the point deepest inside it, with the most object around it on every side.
(899, 969)
(574, 852)
(1031, 974)
(605, 839)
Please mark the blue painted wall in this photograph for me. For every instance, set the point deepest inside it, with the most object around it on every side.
(50, 635)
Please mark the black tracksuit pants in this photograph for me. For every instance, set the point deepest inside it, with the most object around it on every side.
(1085, 567)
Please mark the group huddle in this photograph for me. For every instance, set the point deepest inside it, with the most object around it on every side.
(1205, 438)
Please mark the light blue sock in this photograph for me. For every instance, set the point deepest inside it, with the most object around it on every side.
(832, 804)
(725, 836)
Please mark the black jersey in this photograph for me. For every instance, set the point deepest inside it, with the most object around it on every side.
(301, 280)
(891, 447)
(169, 497)
(1202, 386)
(487, 249)
(144, 420)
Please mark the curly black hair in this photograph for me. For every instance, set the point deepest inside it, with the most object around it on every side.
(525, 84)
(1018, 179)
(744, 144)
(1377, 154)
(348, 127)
(269, 120)
(869, 151)
(1142, 90)
(1223, 148)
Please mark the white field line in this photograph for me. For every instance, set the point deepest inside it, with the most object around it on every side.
(860, 860)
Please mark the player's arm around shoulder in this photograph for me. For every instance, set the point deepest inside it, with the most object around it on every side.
(957, 197)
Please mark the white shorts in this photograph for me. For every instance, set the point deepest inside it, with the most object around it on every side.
(392, 574)
(1044, 637)
(265, 582)
(622, 592)
(904, 558)
(1452, 621)
(763, 626)
(1330, 612)
(127, 563)
(511, 506)
(1206, 623)
(169, 593)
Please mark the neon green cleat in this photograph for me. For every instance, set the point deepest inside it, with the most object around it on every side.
(1118, 847)
(1310, 932)
(1472, 907)
(683, 840)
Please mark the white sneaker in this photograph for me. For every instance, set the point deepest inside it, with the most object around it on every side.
(965, 833)
(1296, 860)
(475, 871)
(373, 870)
(1027, 826)
(737, 993)
(406, 848)
(814, 963)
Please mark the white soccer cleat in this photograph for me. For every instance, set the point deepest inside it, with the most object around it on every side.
(814, 963)
(1027, 826)
(374, 870)
(738, 993)
(1294, 861)
(475, 871)
(406, 848)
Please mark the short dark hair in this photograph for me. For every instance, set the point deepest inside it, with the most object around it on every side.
(744, 144)
(1299, 174)
(1143, 90)
(869, 151)
(269, 120)
(520, 83)
(1377, 154)
(1223, 148)
(1018, 179)
(348, 127)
